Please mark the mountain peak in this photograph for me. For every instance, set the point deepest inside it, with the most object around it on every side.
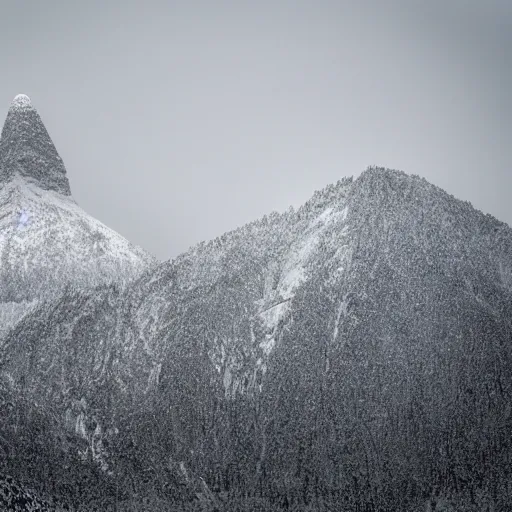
(21, 101)
(27, 150)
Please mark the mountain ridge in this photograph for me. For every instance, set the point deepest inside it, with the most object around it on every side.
(354, 353)
(376, 294)
(278, 274)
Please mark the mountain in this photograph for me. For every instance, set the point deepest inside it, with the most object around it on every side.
(355, 353)
(47, 242)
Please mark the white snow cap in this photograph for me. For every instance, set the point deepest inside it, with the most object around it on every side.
(22, 101)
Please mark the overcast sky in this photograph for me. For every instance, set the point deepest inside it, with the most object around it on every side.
(178, 121)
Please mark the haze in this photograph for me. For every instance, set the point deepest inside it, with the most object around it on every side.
(178, 121)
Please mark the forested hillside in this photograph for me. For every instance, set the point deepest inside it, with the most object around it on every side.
(352, 355)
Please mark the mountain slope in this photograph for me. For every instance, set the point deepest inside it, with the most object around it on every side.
(46, 240)
(394, 381)
(358, 349)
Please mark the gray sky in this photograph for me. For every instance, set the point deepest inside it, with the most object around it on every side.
(178, 121)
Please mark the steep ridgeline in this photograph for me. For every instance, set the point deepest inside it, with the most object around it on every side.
(46, 240)
(356, 352)
(395, 380)
(100, 358)
(229, 298)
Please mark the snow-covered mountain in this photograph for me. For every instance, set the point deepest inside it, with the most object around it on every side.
(235, 297)
(340, 316)
(354, 353)
(47, 241)
(232, 295)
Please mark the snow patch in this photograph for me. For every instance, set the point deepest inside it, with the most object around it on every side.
(294, 268)
(268, 344)
(272, 315)
(154, 376)
(12, 312)
(228, 378)
(21, 101)
(294, 272)
(342, 310)
(45, 230)
(80, 426)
